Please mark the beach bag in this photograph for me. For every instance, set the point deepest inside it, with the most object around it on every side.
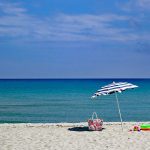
(95, 124)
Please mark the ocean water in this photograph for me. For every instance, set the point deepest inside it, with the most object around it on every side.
(69, 100)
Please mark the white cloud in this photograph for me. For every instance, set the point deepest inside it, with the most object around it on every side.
(11, 8)
(17, 23)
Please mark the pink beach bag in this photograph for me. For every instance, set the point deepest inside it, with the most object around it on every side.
(95, 124)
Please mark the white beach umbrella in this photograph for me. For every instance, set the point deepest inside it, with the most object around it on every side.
(114, 88)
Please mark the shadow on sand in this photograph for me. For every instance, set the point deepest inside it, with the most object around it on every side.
(80, 129)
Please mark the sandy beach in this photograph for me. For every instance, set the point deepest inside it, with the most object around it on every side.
(72, 136)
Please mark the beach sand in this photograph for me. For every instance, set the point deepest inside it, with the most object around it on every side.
(71, 136)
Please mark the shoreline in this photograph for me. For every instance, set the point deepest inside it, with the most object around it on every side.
(65, 124)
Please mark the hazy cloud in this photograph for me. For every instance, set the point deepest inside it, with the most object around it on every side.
(16, 23)
(136, 5)
(145, 4)
(11, 8)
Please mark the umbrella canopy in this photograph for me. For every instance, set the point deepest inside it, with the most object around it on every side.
(114, 88)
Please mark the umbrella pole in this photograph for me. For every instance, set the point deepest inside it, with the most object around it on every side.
(119, 110)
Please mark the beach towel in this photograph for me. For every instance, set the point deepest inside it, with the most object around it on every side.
(95, 124)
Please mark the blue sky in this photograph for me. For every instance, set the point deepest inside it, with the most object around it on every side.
(74, 39)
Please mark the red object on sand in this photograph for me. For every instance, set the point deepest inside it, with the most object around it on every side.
(95, 124)
(146, 129)
(136, 128)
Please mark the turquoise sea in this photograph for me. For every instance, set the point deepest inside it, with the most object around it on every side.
(69, 100)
